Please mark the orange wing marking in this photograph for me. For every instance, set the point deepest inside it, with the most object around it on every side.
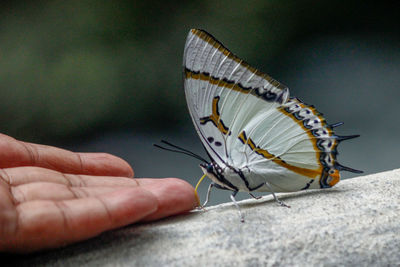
(264, 153)
(215, 117)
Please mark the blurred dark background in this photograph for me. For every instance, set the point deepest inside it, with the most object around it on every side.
(107, 76)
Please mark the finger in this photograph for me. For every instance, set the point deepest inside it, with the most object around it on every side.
(23, 175)
(79, 219)
(174, 196)
(14, 153)
(56, 192)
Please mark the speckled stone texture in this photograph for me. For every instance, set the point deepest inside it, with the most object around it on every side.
(356, 223)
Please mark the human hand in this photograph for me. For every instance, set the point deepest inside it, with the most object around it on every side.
(50, 197)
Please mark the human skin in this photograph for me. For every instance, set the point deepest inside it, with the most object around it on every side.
(50, 197)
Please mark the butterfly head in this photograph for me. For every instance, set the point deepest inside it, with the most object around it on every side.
(212, 170)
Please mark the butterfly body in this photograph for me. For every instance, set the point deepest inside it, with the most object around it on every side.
(257, 137)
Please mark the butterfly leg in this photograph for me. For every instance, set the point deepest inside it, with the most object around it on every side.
(280, 202)
(209, 191)
(255, 188)
(237, 205)
(253, 196)
(208, 195)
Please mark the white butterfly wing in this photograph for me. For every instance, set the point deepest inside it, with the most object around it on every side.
(246, 120)
(282, 148)
(211, 71)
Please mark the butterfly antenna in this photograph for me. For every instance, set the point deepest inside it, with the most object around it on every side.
(183, 149)
(180, 150)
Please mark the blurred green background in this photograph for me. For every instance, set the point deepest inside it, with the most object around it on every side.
(107, 75)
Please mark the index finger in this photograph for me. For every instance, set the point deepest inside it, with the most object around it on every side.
(14, 153)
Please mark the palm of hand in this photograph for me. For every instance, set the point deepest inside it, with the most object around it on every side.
(51, 197)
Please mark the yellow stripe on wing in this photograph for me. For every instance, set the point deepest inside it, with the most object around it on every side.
(311, 173)
(215, 117)
(189, 74)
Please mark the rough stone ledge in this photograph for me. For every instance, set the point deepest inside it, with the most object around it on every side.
(355, 223)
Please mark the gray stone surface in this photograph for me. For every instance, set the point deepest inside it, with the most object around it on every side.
(356, 223)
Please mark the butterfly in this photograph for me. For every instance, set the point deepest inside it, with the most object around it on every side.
(257, 136)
